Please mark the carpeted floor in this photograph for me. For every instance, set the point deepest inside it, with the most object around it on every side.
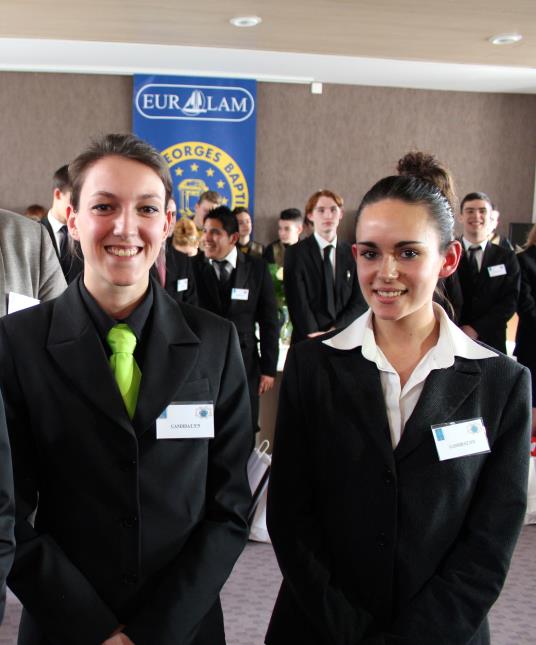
(250, 592)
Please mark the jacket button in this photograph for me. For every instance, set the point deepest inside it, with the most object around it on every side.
(388, 476)
(382, 539)
(129, 522)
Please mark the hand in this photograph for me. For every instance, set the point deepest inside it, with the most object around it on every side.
(118, 638)
(470, 331)
(266, 383)
(314, 334)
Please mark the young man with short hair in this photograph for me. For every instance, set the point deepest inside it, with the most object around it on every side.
(488, 276)
(239, 288)
(289, 228)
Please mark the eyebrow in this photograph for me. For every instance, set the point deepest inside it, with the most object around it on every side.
(397, 245)
(105, 193)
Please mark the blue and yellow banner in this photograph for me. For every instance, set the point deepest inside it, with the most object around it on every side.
(205, 129)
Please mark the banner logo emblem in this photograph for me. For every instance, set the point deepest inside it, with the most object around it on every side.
(196, 167)
(194, 102)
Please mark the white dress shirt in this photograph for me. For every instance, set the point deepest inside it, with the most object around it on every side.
(479, 253)
(400, 402)
(322, 243)
(231, 258)
(56, 227)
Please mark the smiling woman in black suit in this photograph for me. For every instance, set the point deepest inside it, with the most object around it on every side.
(129, 462)
(398, 482)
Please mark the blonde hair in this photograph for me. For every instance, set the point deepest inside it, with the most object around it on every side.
(185, 233)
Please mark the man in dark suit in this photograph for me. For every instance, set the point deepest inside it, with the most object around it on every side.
(68, 251)
(239, 288)
(7, 510)
(320, 274)
(488, 276)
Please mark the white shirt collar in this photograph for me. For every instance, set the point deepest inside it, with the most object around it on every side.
(452, 340)
(322, 243)
(231, 257)
(467, 244)
(54, 222)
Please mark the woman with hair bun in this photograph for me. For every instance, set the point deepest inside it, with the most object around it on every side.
(398, 482)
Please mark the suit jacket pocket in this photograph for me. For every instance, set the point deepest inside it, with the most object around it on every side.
(198, 390)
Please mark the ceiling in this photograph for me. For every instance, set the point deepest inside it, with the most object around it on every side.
(354, 41)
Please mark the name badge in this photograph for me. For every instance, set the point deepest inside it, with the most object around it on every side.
(460, 439)
(186, 421)
(239, 294)
(182, 284)
(496, 270)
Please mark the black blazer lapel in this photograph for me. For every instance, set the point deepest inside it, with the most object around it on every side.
(359, 397)
(241, 279)
(342, 273)
(171, 353)
(74, 344)
(314, 259)
(444, 392)
(210, 282)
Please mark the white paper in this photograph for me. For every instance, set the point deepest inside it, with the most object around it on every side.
(496, 270)
(182, 284)
(18, 301)
(239, 294)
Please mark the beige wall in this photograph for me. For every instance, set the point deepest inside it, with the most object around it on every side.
(344, 139)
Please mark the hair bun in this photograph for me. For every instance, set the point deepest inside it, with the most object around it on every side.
(426, 167)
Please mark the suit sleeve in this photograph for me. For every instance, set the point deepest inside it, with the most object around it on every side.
(51, 280)
(294, 527)
(268, 324)
(189, 586)
(526, 307)
(504, 302)
(7, 509)
(41, 569)
(301, 315)
(454, 602)
(268, 254)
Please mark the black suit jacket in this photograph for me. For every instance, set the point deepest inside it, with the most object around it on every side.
(526, 329)
(303, 281)
(260, 307)
(7, 509)
(488, 304)
(180, 280)
(73, 264)
(129, 529)
(383, 546)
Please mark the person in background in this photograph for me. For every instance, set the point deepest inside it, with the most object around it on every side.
(7, 510)
(487, 277)
(206, 202)
(399, 472)
(321, 284)
(68, 252)
(35, 212)
(289, 228)
(494, 236)
(28, 264)
(239, 288)
(128, 418)
(245, 242)
(525, 348)
(184, 238)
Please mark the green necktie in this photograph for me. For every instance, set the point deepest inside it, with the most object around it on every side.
(122, 342)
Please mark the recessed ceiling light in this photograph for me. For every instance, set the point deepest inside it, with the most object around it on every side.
(245, 21)
(505, 39)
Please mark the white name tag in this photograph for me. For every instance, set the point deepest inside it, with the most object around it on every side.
(186, 421)
(460, 439)
(239, 294)
(182, 284)
(18, 301)
(496, 270)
